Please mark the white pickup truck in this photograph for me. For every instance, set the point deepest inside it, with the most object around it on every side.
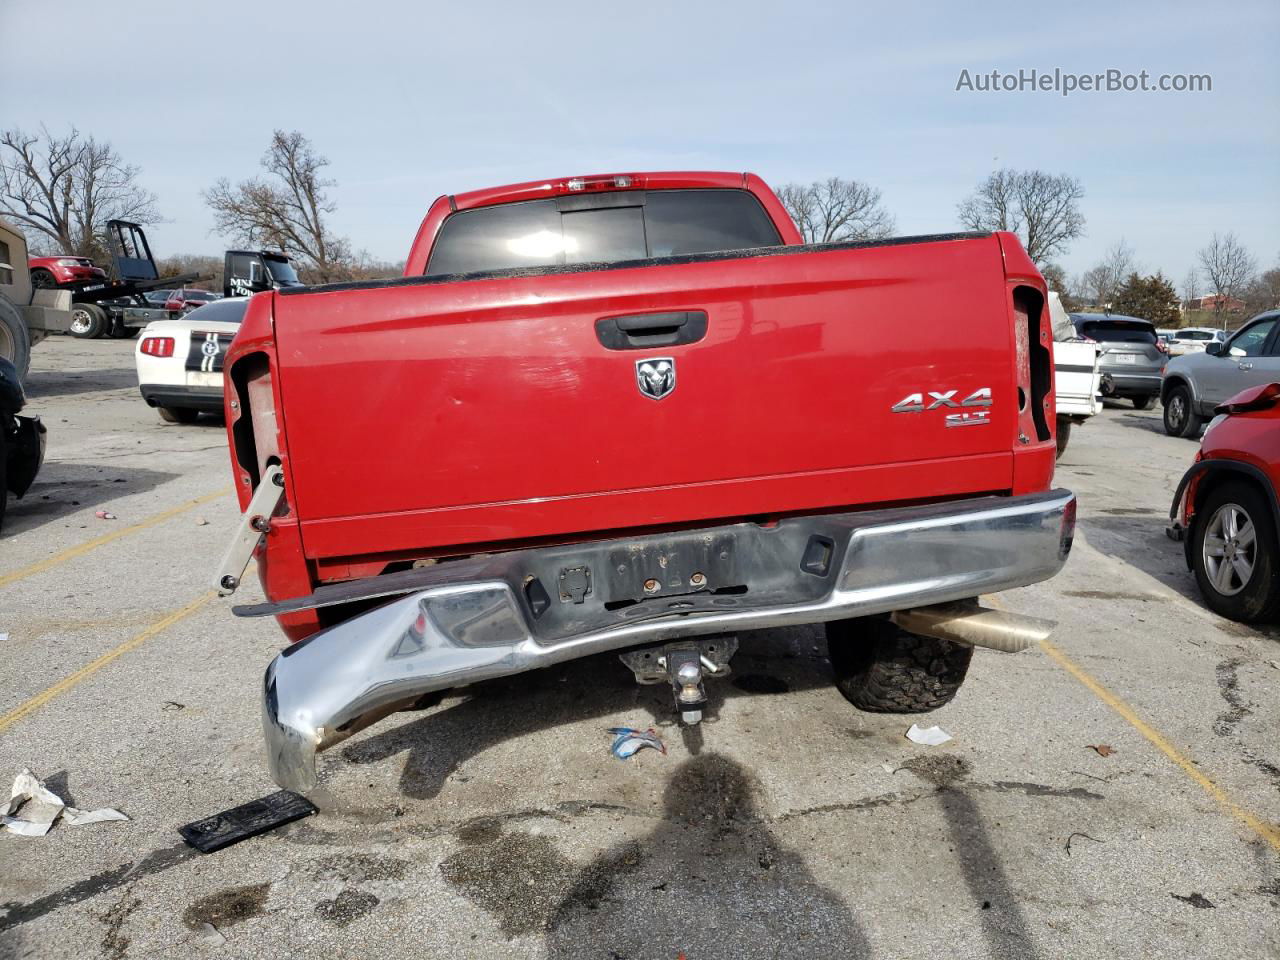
(1077, 377)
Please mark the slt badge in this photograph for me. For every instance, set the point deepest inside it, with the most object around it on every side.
(656, 377)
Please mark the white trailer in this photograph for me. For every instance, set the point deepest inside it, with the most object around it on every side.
(1077, 378)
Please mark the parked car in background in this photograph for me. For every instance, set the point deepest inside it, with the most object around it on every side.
(180, 360)
(157, 298)
(185, 300)
(1133, 358)
(1077, 375)
(1225, 509)
(1197, 382)
(1193, 339)
(63, 271)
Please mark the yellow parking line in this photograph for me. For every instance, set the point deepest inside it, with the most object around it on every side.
(1266, 831)
(78, 551)
(89, 669)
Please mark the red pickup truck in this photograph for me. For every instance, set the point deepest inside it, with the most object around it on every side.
(636, 413)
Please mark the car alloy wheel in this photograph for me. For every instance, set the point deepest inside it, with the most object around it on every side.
(1230, 549)
(1177, 411)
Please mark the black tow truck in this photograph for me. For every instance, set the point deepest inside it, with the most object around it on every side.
(118, 306)
(246, 272)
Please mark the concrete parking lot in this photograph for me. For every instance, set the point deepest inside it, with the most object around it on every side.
(497, 824)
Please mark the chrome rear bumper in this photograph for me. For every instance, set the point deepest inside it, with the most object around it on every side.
(453, 631)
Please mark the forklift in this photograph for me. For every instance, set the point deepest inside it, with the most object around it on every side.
(119, 306)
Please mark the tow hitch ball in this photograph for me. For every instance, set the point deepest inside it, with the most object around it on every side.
(683, 665)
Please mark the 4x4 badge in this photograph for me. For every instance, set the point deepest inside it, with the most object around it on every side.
(915, 403)
(656, 377)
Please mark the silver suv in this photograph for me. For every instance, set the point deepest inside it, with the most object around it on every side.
(1133, 357)
(1197, 382)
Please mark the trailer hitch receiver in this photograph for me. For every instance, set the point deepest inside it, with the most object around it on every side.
(684, 665)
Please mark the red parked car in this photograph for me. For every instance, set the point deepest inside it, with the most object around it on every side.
(184, 301)
(59, 271)
(1226, 511)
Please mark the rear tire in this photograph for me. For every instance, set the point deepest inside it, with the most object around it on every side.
(15, 339)
(88, 321)
(1180, 419)
(1254, 598)
(178, 414)
(1064, 435)
(883, 669)
(1142, 403)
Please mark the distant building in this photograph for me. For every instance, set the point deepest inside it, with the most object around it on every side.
(1217, 303)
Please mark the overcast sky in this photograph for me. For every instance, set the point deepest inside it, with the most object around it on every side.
(409, 100)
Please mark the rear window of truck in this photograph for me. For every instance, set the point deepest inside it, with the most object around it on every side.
(625, 226)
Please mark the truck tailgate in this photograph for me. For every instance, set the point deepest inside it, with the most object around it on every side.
(427, 414)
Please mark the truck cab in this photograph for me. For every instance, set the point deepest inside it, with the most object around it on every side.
(246, 272)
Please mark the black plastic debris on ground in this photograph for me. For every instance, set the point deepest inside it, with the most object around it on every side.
(247, 820)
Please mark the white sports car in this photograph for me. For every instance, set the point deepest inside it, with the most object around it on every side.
(180, 361)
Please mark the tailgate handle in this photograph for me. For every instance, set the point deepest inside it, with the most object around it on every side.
(642, 331)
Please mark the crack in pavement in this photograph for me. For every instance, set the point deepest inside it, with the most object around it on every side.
(1228, 676)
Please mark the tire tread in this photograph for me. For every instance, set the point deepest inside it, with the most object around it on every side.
(881, 668)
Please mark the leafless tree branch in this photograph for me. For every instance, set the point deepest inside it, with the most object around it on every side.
(1191, 286)
(65, 189)
(1228, 267)
(286, 209)
(837, 209)
(1042, 208)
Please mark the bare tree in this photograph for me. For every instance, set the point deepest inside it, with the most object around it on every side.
(1042, 208)
(65, 189)
(1101, 282)
(1191, 286)
(286, 209)
(1117, 264)
(1055, 278)
(1228, 267)
(1264, 292)
(1095, 286)
(837, 209)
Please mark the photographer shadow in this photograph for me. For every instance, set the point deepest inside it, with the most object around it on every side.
(512, 708)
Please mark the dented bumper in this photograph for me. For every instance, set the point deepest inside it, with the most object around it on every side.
(458, 623)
